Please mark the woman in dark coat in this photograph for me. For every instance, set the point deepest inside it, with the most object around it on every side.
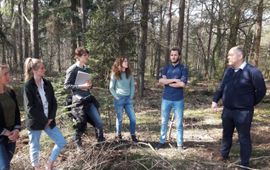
(40, 106)
(10, 122)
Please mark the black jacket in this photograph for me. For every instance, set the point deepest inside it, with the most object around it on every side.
(241, 90)
(17, 123)
(35, 118)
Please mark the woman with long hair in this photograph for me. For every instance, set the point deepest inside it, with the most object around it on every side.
(10, 121)
(40, 106)
(122, 88)
(88, 111)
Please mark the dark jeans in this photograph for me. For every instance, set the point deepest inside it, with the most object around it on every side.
(241, 120)
(87, 113)
(7, 150)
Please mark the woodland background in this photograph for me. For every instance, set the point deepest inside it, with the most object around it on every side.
(143, 31)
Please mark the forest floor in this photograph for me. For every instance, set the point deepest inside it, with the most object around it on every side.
(202, 136)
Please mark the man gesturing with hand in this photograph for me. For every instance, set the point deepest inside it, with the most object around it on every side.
(241, 88)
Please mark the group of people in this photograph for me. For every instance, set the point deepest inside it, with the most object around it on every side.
(40, 106)
(241, 88)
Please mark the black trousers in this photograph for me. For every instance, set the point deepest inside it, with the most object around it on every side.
(241, 120)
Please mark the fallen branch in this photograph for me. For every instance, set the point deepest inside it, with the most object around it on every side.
(234, 164)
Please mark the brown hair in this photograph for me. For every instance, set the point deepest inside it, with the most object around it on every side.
(29, 65)
(116, 71)
(79, 51)
(4, 67)
(176, 49)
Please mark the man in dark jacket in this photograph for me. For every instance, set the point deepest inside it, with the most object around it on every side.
(241, 88)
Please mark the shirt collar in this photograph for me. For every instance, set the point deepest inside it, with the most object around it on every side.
(42, 83)
(175, 65)
(78, 65)
(241, 67)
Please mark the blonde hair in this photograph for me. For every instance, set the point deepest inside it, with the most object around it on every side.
(4, 67)
(31, 64)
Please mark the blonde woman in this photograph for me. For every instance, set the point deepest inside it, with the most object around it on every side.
(40, 106)
(10, 122)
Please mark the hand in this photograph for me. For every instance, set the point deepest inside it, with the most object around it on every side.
(86, 86)
(173, 85)
(214, 106)
(14, 135)
(7, 133)
(48, 123)
(176, 80)
(90, 84)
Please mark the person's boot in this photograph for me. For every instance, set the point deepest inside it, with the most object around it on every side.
(78, 141)
(96, 133)
(134, 139)
(118, 138)
(100, 135)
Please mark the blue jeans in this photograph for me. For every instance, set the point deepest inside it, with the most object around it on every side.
(93, 114)
(241, 120)
(7, 150)
(124, 102)
(34, 139)
(166, 107)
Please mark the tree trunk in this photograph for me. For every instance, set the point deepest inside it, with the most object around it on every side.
(83, 14)
(4, 60)
(180, 30)
(153, 44)
(143, 42)
(34, 30)
(73, 29)
(234, 23)
(50, 48)
(14, 49)
(59, 54)
(187, 32)
(167, 55)
(121, 28)
(217, 50)
(161, 17)
(258, 33)
(209, 40)
(249, 43)
(20, 42)
(25, 33)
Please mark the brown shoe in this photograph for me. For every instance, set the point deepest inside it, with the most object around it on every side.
(222, 159)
